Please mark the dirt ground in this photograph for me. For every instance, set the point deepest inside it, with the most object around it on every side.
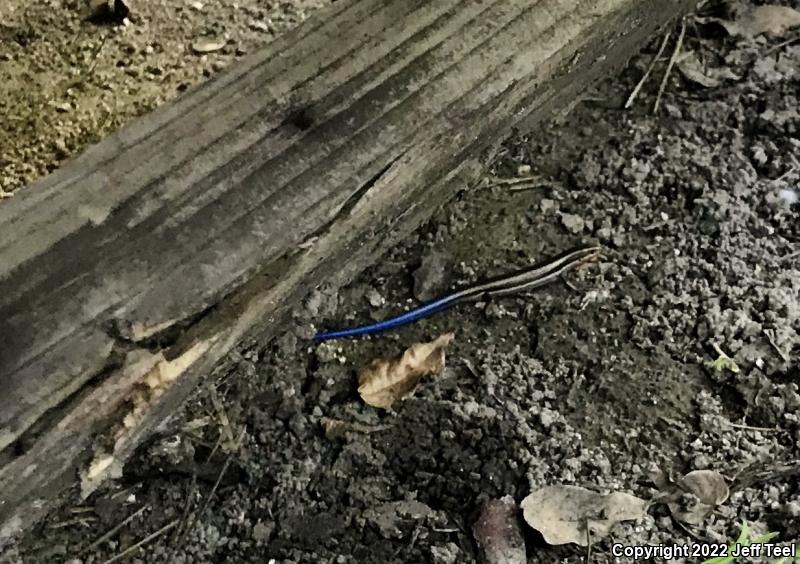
(596, 381)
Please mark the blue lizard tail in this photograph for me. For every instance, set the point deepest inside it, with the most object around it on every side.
(391, 323)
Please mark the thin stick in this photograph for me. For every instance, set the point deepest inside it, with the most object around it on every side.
(588, 542)
(114, 529)
(646, 74)
(769, 335)
(142, 542)
(222, 416)
(531, 186)
(73, 521)
(216, 484)
(186, 508)
(501, 181)
(670, 64)
(751, 428)
(783, 44)
(210, 496)
(689, 531)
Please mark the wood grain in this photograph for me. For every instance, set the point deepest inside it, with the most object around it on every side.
(130, 272)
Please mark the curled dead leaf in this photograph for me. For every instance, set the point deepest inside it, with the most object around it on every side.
(697, 71)
(770, 19)
(692, 498)
(384, 381)
(571, 514)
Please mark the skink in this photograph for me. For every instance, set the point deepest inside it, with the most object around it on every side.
(519, 281)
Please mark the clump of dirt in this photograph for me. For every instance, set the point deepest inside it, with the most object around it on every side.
(597, 382)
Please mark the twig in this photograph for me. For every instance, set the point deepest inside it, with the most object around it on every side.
(74, 521)
(690, 532)
(751, 428)
(782, 44)
(670, 64)
(769, 335)
(786, 174)
(210, 496)
(216, 484)
(142, 542)
(500, 181)
(790, 256)
(532, 185)
(187, 507)
(588, 542)
(646, 74)
(222, 416)
(114, 529)
(745, 479)
(96, 54)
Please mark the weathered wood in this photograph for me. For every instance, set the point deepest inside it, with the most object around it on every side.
(130, 272)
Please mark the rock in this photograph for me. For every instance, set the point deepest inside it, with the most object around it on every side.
(547, 205)
(573, 223)
(374, 298)
(388, 516)
(445, 554)
(202, 46)
(430, 279)
(263, 531)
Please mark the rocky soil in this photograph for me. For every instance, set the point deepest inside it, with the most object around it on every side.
(677, 351)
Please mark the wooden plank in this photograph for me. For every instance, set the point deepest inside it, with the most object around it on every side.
(130, 272)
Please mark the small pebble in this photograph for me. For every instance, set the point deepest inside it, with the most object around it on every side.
(374, 298)
(547, 205)
(573, 223)
(207, 46)
(430, 279)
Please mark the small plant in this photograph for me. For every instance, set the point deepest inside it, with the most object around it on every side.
(743, 540)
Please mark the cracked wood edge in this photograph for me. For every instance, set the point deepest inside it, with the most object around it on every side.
(358, 224)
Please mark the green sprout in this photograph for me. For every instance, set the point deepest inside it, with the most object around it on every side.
(723, 361)
(744, 540)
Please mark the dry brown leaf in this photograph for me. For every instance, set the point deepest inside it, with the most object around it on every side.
(694, 497)
(384, 381)
(692, 68)
(562, 513)
(771, 19)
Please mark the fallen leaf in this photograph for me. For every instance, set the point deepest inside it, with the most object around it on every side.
(498, 533)
(384, 381)
(770, 19)
(694, 497)
(563, 513)
(693, 69)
